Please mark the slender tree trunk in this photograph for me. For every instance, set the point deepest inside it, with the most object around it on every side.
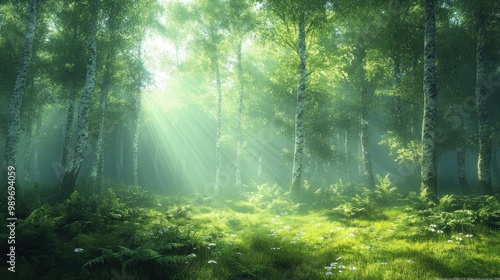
(240, 113)
(28, 152)
(259, 156)
(365, 141)
(16, 99)
(397, 98)
(299, 114)
(219, 126)
(462, 175)
(119, 155)
(36, 150)
(68, 130)
(135, 143)
(428, 170)
(347, 155)
(98, 162)
(138, 116)
(70, 174)
(484, 160)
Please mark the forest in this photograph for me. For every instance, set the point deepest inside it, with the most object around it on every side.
(250, 139)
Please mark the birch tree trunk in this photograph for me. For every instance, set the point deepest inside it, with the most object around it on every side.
(28, 152)
(219, 126)
(365, 141)
(95, 177)
(259, 155)
(299, 114)
(68, 130)
(71, 173)
(240, 113)
(462, 175)
(138, 115)
(347, 155)
(484, 160)
(14, 125)
(428, 171)
(135, 141)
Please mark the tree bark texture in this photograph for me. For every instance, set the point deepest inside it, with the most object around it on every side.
(70, 174)
(299, 114)
(462, 175)
(428, 170)
(365, 141)
(95, 178)
(14, 126)
(68, 130)
(219, 126)
(484, 160)
(240, 113)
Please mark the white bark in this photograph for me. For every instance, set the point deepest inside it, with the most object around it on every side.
(219, 126)
(299, 114)
(70, 174)
(484, 160)
(428, 165)
(240, 113)
(14, 126)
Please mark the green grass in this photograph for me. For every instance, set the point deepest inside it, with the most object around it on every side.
(302, 246)
(236, 240)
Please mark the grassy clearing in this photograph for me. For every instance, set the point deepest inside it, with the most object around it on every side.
(308, 246)
(129, 233)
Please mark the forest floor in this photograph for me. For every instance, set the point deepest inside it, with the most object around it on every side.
(136, 235)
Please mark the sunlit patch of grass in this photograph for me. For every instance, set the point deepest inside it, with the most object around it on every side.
(273, 246)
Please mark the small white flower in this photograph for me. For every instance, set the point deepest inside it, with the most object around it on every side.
(383, 263)
(353, 268)
(439, 231)
(450, 241)
(212, 261)
(192, 255)
(211, 245)
(78, 250)
(328, 268)
(333, 264)
(432, 229)
(469, 235)
(410, 261)
(328, 273)
(351, 234)
(338, 258)
(433, 226)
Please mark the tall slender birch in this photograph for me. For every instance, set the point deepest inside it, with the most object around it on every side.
(240, 113)
(299, 113)
(71, 173)
(484, 160)
(14, 126)
(428, 187)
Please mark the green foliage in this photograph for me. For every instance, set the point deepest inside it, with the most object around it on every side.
(455, 213)
(272, 198)
(384, 193)
(134, 196)
(405, 152)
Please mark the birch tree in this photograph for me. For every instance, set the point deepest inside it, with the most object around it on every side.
(428, 187)
(484, 159)
(298, 19)
(70, 174)
(14, 125)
